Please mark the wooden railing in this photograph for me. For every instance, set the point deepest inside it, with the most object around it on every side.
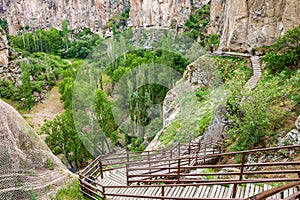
(177, 169)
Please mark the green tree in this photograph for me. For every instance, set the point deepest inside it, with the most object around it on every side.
(65, 34)
(26, 86)
(64, 139)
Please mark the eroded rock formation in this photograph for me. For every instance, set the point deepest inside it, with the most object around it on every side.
(43, 14)
(159, 12)
(3, 49)
(252, 23)
(26, 163)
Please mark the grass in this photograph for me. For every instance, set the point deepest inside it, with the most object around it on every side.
(70, 192)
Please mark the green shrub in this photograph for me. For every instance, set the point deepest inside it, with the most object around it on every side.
(70, 192)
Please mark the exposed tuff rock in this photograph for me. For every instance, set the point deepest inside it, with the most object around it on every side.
(252, 23)
(45, 14)
(182, 106)
(297, 123)
(217, 126)
(3, 49)
(163, 13)
(292, 137)
(11, 72)
(159, 12)
(25, 160)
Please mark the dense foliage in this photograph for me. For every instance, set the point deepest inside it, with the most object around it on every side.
(64, 139)
(271, 109)
(70, 192)
(40, 72)
(57, 42)
(285, 53)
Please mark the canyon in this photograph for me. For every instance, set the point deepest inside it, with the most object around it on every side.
(245, 24)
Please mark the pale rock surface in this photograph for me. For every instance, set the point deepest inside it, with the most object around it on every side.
(292, 137)
(159, 12)
(26, 162)
(297, 123)
(252, 23)
(3, 49)
(43, 14)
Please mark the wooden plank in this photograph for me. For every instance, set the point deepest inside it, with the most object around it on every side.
(203, 191)
(223, 191)
(191, 191)
(242, 192)
(285, 193)
(170, 192)
(198, 191)
(291, 191)
(213, 192)
(184, 191)
(178, 191)
(229, 192)
(246, 192)
(207, 192)
(251, 190)
(218, 191)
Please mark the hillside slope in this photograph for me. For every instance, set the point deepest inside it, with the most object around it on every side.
(27, 166)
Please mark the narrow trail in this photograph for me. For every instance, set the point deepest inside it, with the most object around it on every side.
(42, 112)
(256, 73)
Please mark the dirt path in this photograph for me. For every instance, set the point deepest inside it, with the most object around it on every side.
(45, 111)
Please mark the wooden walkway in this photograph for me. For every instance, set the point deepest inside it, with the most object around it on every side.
(256, 72)
(139, 181)
(171, 175)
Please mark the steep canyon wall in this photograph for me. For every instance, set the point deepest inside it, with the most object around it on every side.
(252, 23)
(43, 14)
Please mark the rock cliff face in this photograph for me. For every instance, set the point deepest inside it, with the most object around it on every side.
(252, 23)
(162, 13)
(3, 49)
(44, 14)
(26, 163)
(159, 12)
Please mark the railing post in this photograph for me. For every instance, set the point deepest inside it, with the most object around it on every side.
(127, 153)
(178, 171)
(204, 153)
(241, 175)
(179, 149)
(127, 178)
(163, 191)
(189, 153)
(149, 163)
(242, 166)
(171, 152)
(101, 168)
(104, 196)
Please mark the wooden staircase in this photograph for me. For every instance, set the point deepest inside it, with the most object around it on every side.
(167, 175)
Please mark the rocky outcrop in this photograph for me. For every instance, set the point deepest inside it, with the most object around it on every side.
(252, 23)
(26, 163)
(3, 49)
(293, 136)
(41, 14)
(159, 12)
(162, 13)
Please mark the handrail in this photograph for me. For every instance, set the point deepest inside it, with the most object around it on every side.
(175, 164)
(273, 191)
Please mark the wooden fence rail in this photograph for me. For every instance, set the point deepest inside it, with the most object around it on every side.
(169, 168)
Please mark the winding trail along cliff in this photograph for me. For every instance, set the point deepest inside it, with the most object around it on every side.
(252, 23)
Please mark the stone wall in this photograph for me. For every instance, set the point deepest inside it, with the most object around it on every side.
(252, 23)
